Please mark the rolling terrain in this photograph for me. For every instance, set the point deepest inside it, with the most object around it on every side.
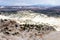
(29, 22)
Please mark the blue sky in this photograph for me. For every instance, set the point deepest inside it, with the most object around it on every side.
(29, 2)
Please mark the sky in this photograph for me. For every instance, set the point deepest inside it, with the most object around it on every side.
(29, 2)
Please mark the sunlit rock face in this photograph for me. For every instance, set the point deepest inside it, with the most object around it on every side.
(27, 25)
(30, 17)
(10, 29)
(11, 25)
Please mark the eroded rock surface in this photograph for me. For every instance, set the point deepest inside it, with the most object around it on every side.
(11, 30)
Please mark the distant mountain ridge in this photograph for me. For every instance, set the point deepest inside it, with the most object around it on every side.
(16, 8)
(44, 9)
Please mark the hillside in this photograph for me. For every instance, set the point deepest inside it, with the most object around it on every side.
(27, 25)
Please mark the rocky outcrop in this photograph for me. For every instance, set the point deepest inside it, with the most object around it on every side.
(10, 26)
(26, 26)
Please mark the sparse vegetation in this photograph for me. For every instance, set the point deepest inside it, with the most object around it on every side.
(26, 25)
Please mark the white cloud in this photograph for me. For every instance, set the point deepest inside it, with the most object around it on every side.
(29, 2)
